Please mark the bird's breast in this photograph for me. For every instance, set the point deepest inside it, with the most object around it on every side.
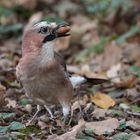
(44, 86)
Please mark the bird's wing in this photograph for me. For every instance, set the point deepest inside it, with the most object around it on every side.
(77, 80)
(60, 59)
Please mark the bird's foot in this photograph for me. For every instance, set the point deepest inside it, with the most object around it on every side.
(50, 113)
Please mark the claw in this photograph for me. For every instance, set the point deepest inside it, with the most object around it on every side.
(49, 111)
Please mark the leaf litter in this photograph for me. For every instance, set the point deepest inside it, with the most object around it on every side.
(99, 47)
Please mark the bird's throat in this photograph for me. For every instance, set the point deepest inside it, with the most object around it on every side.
(47, 53)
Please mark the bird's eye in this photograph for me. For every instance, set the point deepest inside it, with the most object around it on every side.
(43, 30)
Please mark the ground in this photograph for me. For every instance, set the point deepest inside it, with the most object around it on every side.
(104, 43)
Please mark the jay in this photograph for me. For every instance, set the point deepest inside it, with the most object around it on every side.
(42, 72)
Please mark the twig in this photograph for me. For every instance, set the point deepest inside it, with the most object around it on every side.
(133, 113)
(135, 101)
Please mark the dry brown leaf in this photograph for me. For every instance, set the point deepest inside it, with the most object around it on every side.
(110, 57)
(133, 125)
(77, 104)
(102, 100)
(100, 113)
(2, 93)
(132, 94)
(86, 70)
(128, 83)
(131, 53)
(101, 127)
(113, 72)
(71, 134)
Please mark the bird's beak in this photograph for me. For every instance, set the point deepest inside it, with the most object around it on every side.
(62, 30)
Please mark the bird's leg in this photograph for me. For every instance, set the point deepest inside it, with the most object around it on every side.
(71, 115)
(66, 110)
(35, 115)
(49, 111)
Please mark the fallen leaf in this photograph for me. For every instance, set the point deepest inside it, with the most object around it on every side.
(102, 100)
(132, 94)
(86, 70)
(2, 93)
(6, 115)
(133, 125)
(131, 54)
(77, 104)
(122, 136)
(128, 83)
(110, 57)
(100, 113)
(16, 125)
(11, 103)
(71, 135)
(13, 126)
(113, 72)
(101, 127)
(4, 129)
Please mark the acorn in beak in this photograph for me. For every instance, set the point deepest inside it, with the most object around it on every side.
(62, 30)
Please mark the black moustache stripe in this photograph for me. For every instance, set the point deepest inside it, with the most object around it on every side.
(49, 38)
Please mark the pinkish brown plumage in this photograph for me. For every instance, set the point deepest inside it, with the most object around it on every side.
(40, 70)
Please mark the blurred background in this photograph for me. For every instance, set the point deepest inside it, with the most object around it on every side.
(104, 43)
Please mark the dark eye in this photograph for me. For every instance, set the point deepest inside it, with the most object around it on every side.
(43, 30)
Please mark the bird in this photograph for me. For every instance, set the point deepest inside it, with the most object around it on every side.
(42, 72)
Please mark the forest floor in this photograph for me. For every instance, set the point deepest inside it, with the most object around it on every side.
(104, 43)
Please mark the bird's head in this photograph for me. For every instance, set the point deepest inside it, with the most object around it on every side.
(36, 36)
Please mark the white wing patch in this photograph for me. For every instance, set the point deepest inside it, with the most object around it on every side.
(77, 80)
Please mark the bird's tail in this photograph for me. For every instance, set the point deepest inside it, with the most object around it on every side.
(78, 80)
